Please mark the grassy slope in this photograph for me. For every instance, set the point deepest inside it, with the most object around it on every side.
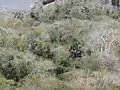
(99, 34)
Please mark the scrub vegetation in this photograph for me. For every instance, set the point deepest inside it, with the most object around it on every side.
(70, 46)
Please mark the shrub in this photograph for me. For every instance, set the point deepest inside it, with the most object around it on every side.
(5, 81)
(75, 50)
(111, 87)
(75, 10)
(3, 41)
(62, 64)
(42, 49)
(19, 43)
(114, 15)
(12, 69)
(72, 10)
(61, 32)
(82, 13)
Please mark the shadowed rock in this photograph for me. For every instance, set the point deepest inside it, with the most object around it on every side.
(48, 1)
(115, 2)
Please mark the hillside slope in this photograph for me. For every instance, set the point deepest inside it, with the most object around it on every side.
(72, 47)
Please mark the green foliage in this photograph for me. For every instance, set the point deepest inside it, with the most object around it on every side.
(62, 63)
(115, 87)
(12, 69)
(5, 81)
(82, 13)
(114, 15)
(19, 43)
(111, 87)
(3, 41)
(76, 50)
(57, 35)
(73, 10)
(43, 49)
(63, 33)
(64, 47)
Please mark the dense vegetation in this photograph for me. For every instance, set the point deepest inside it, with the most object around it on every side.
(70, 47)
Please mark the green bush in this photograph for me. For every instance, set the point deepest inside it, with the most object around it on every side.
(60, 12)
(111, 87)
(5, 81)
(19, 43)
(74, 10)
(76, 49)
(114, 15)
(62, 64)
(62, 33)
(43, 49)
(3, 39)
(12, 69)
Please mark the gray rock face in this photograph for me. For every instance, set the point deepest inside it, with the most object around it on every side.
(115, 2)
